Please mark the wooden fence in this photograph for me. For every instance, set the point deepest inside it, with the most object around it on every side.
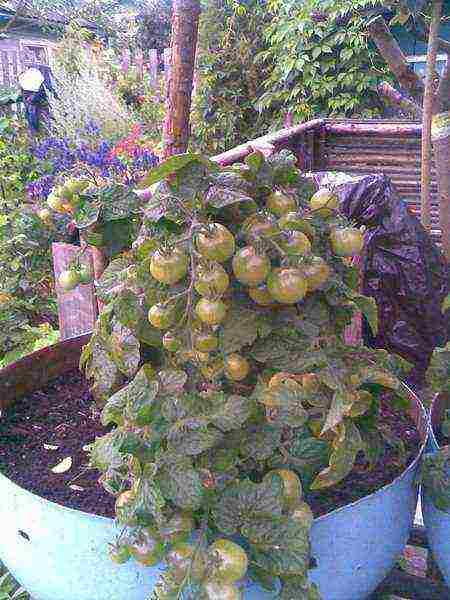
(352, 146)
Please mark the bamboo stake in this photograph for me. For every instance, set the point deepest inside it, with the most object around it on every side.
(428, 102)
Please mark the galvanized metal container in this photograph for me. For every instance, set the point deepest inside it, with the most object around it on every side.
(58, 553)
(436, 521)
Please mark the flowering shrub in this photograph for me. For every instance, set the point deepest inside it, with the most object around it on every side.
(125, 161)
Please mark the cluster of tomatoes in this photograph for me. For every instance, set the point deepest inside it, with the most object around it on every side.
(281, 226)
(217, 567)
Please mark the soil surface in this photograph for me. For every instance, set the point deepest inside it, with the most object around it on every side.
(43, 429)
(59, 421)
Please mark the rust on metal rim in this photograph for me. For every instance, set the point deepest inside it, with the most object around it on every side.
(35, 370)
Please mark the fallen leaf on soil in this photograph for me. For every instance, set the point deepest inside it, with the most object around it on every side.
(63, 466)
(76, 488)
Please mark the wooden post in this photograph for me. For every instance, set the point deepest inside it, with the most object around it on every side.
(152, 66)
(139, 58)
(126, 60)
(176, 131)
(77, 310)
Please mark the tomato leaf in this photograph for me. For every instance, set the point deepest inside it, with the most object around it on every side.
(171, 166)
(219, 197)
(260, 441)
(369, 309)
(343, 456)
(182, 484)
(242, 502)
(233, 412)
(446, 304)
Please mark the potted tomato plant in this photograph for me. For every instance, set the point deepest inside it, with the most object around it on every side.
(236, 413)
(436, 464)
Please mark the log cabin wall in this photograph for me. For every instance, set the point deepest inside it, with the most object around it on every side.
(390, 147)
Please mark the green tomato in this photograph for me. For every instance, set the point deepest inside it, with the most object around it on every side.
(170, 342)
(303, 514)
(183, 557)
(55, 203)
(236, 367)
(216, 590)
(211, 281)
(296, 244)
(287, 285)
(68, 280)
(231, 561)
(324, 203)
(205, 342)
(161, 317)
(169, 267)
(346, 241)
(250, 267)
(85, 274)
(211, 312)
(316, 273)
(119, 553)
(216, 243)
(279, 203)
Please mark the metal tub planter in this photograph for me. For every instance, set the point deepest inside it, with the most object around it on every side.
(437, 522)
(58, 553)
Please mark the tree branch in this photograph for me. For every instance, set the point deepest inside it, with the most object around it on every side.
(385, 89)
(428, 105)
(393, 55)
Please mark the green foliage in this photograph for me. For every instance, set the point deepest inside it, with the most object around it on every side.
(316, 67)
(229, 80)
(192, 435)
(9, 588)
(27, 308)
(438, 373)
(435, 477)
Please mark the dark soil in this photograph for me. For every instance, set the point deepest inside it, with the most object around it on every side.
(62, 415)
(441, 439)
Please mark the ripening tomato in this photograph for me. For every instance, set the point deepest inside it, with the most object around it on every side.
(215, 242)
(260, 225)
(169, 266)
(292, 487)
(261, 295)
(324, 203)
(303, 514)
(147, 550)
(232, 561)
(279, 203)
(68, 280)
(216, 590)
(211, 312)
(316, 273)
(294, 222)
(205, 341)
(119, 553)
(250, 267)
(170, 342)
(183, 557)
(236, 367)
(211, 281)
(160, 316)
(85, 274)
(287, 285)
(296, 244)
(346, 241)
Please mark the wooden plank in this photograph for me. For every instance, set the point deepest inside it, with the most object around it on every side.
(77, 310)
(5, 68)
